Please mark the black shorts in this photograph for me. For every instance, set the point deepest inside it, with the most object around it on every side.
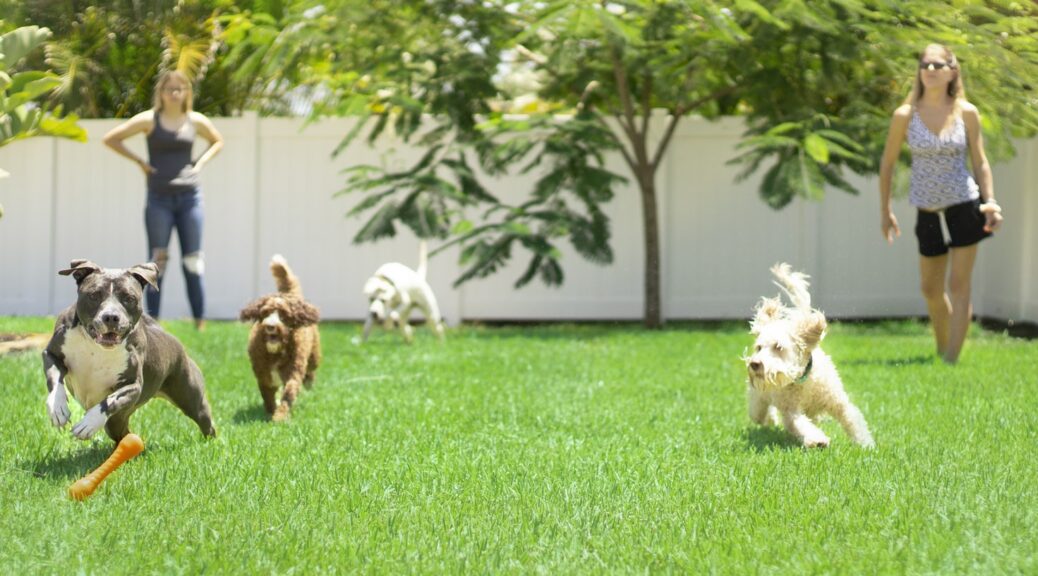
(965, 227)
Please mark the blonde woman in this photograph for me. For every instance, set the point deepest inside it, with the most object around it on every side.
(956, 210)
(174, 194)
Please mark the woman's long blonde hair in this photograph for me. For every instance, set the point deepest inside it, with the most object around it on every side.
(955, 88)
(160, 85)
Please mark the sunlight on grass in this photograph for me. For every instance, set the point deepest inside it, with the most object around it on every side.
(557, 449)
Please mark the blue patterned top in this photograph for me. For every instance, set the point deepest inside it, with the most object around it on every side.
(939, 175)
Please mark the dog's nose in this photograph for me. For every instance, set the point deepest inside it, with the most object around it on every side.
(109, 318)
(755, 365)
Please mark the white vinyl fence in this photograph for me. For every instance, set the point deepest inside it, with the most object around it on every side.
(271, 191)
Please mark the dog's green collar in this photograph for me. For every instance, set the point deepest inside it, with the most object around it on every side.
(807, 371)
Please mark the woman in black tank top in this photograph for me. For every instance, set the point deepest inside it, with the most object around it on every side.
(174, 193)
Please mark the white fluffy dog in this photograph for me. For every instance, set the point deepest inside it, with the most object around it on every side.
(790, 374)
(394, 291)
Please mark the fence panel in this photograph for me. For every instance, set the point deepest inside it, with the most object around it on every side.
(272, 191)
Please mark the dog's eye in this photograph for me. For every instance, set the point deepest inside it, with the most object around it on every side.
(757, 348)
(778, 347)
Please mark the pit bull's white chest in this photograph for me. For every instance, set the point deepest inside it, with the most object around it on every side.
(93, 371)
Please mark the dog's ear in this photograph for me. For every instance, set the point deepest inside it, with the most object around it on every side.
(147, 274)
(811, 329)
(300, 313)
(768, 310)
(372, 287)
(252, 312)
(80, 269)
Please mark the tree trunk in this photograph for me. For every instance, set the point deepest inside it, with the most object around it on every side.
(650, 216)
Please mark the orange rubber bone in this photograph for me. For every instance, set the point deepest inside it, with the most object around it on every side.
(130, 446)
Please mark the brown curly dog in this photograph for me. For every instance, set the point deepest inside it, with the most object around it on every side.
(284, 344)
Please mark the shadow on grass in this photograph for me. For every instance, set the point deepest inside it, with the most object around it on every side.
(250, 415)
(764, 439)
(892, 362)
(1023, 330)
(79, 463)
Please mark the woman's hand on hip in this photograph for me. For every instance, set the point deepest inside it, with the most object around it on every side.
(148, 169)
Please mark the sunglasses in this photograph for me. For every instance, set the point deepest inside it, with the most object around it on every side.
(934, 65)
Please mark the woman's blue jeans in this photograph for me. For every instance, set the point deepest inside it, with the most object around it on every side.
(183, 211)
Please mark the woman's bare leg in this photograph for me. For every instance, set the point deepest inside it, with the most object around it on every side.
(932, 272)
(959, 288)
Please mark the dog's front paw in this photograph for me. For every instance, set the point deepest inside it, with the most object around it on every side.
(816, 441)
(92, 421)
(282, 414)
(57, 407)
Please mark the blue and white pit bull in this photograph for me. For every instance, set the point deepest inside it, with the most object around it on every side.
(114, 358)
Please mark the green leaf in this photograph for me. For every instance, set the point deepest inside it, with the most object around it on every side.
(551, 273)
(817, 148)
(30, 91)
(783, 128)
(17, 43)
(518, 228)
(379, 226)
(462, 227)
(487, 258)
(811, 182)
(760, 12)
(835, 178)
(63, 128)
(369, 202)
(531, 271)
(350, 136)
(841, 138)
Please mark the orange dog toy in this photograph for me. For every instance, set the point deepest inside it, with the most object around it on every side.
(130, 446)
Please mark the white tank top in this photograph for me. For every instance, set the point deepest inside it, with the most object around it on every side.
(939, 175)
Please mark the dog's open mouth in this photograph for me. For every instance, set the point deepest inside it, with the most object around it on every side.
(108, 339)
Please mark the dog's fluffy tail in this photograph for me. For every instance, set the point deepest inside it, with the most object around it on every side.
(423, 259)
(794, 284)
(286, 281)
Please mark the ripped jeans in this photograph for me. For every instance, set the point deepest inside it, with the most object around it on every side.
(183, 211)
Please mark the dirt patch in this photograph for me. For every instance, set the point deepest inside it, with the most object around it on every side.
(11, 343)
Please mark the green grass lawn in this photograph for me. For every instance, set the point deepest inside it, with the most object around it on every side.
(560, 449)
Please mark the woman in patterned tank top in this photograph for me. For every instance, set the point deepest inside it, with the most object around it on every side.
(955, 210)
(174, 194)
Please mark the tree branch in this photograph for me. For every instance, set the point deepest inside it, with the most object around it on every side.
(682, 109)
(677, 113)
(646, 103)
(624, 89)
(623, 149)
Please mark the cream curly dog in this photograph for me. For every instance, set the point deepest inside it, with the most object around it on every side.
(790, 374)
